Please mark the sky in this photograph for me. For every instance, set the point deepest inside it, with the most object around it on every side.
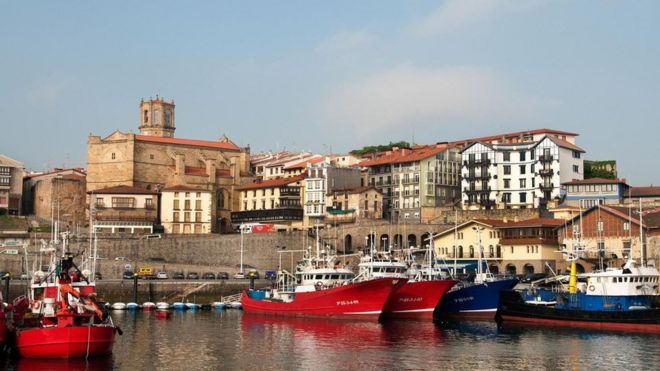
(332, 76)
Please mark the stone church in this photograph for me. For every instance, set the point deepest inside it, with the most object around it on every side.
(156, 159)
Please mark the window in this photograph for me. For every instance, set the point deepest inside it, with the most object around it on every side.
(176, 228)
(113, 155)
(175, 216)
(523, 197)
(522, 155)
(576, 169)
(523, 183)
(186, 205)
(187, 194)
(522, 169)
(176, 205)
(507, 183)
(507, 169)
(576, 154)
(186, 216)
(198, 204)
(506, 156)
(626, 226)
(146, 116)
(198, 216)
(123, 202)
(599, 226)
(151, 157)
(149, 203)
(506, 197)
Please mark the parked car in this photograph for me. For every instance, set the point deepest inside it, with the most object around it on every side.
(24, 276)
(270, 275)
(239, 275)
(178, 276)
(192, 276)
(253, 274)
(208, 276)
(120, 258)
(145, 272)
(161, 275)
(128, 275)
(98, 276)
(223, 276)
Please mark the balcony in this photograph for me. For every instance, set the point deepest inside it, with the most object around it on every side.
(477, 189)
(546, 158)
(480, 176)
(546, 172)
(546, 187)
(477, 162)
(289, 192)
(267, 215)
(340, 216)
(126, 215)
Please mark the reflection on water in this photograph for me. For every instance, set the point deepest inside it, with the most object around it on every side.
(233, 340)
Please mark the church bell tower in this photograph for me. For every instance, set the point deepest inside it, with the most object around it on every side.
(157, 117)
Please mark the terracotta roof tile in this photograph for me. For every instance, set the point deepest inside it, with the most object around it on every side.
(181, 187)
(271, 183)
(303, 164)
(188, 142)
(650, 191)
(406, 155)
(491, 138)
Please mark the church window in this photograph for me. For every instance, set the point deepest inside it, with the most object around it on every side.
(151, 157)
(113, 155)
(146, 116)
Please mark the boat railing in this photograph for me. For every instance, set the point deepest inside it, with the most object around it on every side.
(286, 281)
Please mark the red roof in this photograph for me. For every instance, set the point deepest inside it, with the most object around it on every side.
(406, 155)
(123, 190)
(536, 222)
(492, 138)
(353, 190)
(491, 222)
(271, 183)
(565, 144)
(188, 142)
(181, 187)
(649, 191)
(595, 181)
(303, 164)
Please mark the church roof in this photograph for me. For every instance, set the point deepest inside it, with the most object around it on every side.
(225, 145)
(123, 190)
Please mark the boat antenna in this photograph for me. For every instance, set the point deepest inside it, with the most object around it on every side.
(642, 258)
(455, 232)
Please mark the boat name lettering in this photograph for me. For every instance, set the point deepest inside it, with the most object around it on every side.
(347, 302)
(464, 299)
(411, 300)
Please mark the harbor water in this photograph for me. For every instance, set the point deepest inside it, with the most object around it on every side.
(214, 340)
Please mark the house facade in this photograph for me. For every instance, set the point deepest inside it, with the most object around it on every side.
(274, 201)
(59, 194)
(594, 191)
(186, 210)
(350, 205)
(531, 246)
(11, 185)
(323, 178)
(124, 209)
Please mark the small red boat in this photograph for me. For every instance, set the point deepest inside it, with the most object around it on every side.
(64, 319)
(162, 314)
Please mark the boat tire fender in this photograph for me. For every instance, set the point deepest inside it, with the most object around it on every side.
(318, 285)
(592, 287)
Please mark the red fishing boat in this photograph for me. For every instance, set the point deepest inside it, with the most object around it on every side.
(3, 323)
(419, 296)
(62, 318)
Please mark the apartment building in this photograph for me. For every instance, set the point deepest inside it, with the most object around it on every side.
(124, 209)
(350, 205)
(323, 178)
(413, 179)
(11, 185)
(520, 174)
(277, 200)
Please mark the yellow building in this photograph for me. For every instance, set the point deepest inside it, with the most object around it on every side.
(186, 210)
(461, 244)
(155, 159)
(531, 246)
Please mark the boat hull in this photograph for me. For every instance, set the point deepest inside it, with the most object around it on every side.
(515, 310)
(360, 300)
(416, 299)
(477, 301)
(65, 342)
(3, 329)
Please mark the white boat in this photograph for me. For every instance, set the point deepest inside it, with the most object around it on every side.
(132, 306)
(235, 305)
(147, 306)
(118, 306)
(218, 305)
(163, 305)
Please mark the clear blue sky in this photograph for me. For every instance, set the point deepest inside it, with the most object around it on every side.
(333, 75)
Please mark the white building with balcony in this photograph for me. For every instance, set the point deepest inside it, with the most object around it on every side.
(322, 179)
(519, 175)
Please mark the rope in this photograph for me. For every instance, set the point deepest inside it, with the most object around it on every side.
(89, 335)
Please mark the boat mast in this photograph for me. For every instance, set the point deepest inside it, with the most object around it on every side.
(480, 259)
(242, 226)
(455, 232)
(641, 236)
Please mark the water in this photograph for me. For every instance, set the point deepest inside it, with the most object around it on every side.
(231, 340)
